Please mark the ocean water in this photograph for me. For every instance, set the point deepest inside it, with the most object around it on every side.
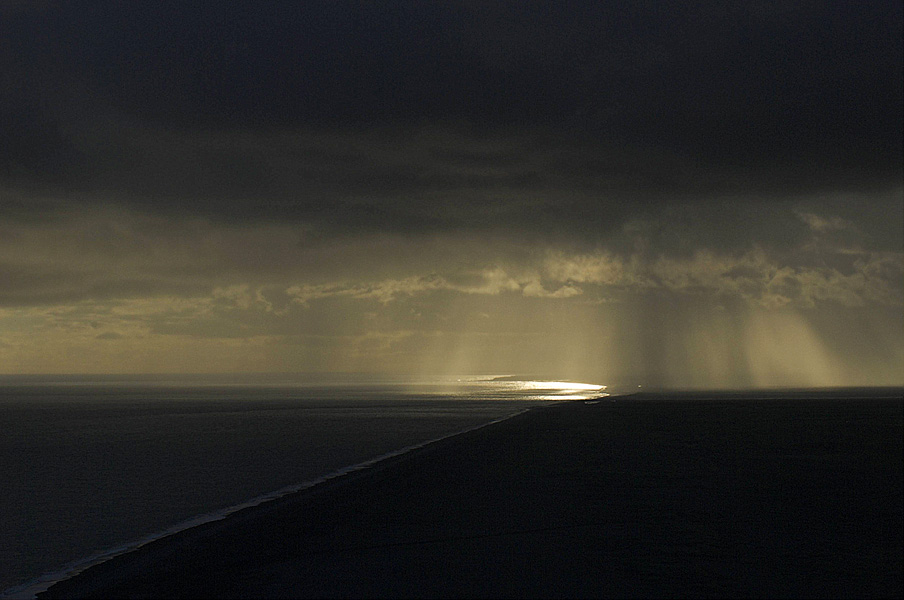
(92, 467)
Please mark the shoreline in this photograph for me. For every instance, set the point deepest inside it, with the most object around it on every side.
(660, 495)
(40, 584)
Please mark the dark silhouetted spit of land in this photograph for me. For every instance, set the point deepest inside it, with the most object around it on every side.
(781, 494)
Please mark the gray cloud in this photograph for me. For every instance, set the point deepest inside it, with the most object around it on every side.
(417, 187)
(110, 254)
(108, 335)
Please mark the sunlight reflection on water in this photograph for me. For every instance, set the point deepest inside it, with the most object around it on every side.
(521, 389)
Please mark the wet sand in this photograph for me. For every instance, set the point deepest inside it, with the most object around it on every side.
(694, 495)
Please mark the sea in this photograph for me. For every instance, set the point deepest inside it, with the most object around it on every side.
(91, 467)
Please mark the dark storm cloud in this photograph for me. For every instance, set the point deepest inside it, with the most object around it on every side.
(377, 172)
(426, 116)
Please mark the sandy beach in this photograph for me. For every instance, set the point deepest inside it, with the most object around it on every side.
(652, 495)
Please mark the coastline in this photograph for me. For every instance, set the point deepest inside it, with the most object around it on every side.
(646, 495)
(42, 583)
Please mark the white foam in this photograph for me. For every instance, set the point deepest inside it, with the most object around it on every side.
(29, 590)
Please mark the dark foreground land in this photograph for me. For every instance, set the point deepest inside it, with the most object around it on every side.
(642, 496)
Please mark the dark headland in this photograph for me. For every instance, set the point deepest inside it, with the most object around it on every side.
(792, 494)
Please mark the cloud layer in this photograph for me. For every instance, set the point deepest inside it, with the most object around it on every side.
(709, 194)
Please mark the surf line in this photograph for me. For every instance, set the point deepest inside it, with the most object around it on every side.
(30, 589)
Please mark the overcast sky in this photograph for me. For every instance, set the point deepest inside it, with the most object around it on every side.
(696, 194)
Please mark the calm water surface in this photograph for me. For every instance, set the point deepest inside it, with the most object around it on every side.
(89, 466)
